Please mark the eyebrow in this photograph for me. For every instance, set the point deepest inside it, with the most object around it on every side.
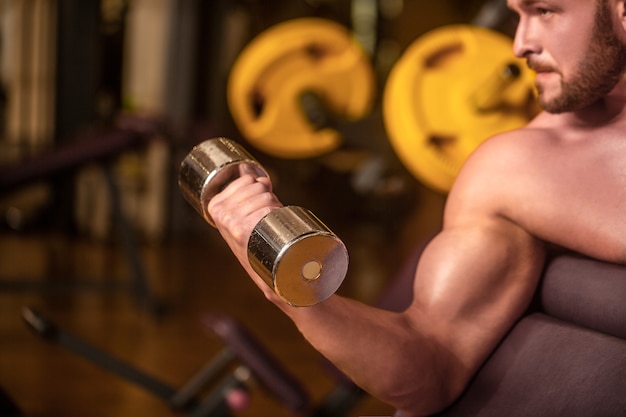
(524, 2)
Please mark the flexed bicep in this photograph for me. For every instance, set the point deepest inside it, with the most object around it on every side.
(473, 281)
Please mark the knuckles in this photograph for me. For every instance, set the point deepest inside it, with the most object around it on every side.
(241, 205)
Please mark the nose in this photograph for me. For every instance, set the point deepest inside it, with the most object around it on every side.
(526, 40)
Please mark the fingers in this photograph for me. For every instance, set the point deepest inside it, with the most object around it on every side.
(246, 192)
(240, 206)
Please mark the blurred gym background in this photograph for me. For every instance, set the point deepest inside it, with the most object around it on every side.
(100, 100)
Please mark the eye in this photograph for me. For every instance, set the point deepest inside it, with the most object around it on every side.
(543, 12)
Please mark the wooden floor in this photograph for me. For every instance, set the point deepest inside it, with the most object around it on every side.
(189, 278)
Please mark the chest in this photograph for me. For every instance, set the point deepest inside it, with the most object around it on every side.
(580, 201)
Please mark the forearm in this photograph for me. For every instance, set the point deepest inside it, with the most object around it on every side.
(381, 351)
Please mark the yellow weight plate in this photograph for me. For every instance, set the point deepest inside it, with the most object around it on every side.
(302, 55)
(450, 90)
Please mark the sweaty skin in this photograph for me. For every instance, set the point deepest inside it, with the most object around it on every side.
(561, 180)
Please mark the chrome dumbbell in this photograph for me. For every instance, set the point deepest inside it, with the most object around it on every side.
(300, 258)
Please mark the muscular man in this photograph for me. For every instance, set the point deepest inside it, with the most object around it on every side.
(561, 180)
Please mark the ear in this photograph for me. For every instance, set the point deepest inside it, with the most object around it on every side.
(619, 6)
(621, 12)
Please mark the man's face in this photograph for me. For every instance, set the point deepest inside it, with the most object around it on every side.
(585, 66)
(597, 73)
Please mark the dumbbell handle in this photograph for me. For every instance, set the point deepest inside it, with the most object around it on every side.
(300, 258)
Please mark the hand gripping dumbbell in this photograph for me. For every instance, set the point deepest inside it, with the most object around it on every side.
(302, 260)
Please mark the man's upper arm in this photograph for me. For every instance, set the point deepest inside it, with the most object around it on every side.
(478, 275)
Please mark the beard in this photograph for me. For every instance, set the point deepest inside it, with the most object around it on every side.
(597, 74)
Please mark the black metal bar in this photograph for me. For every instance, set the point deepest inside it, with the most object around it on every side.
(215, 404)
(139, 286)
(187, 393)
(51, 332)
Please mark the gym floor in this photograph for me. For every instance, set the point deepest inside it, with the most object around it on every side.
(189, 278)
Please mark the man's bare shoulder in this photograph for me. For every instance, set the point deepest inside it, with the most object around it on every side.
(511, 147)
(501, 171)
(562, 185)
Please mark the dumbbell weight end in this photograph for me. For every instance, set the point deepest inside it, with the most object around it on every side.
(297, 255)
(209, 167)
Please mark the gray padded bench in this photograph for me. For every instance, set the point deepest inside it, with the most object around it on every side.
(567, 356)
